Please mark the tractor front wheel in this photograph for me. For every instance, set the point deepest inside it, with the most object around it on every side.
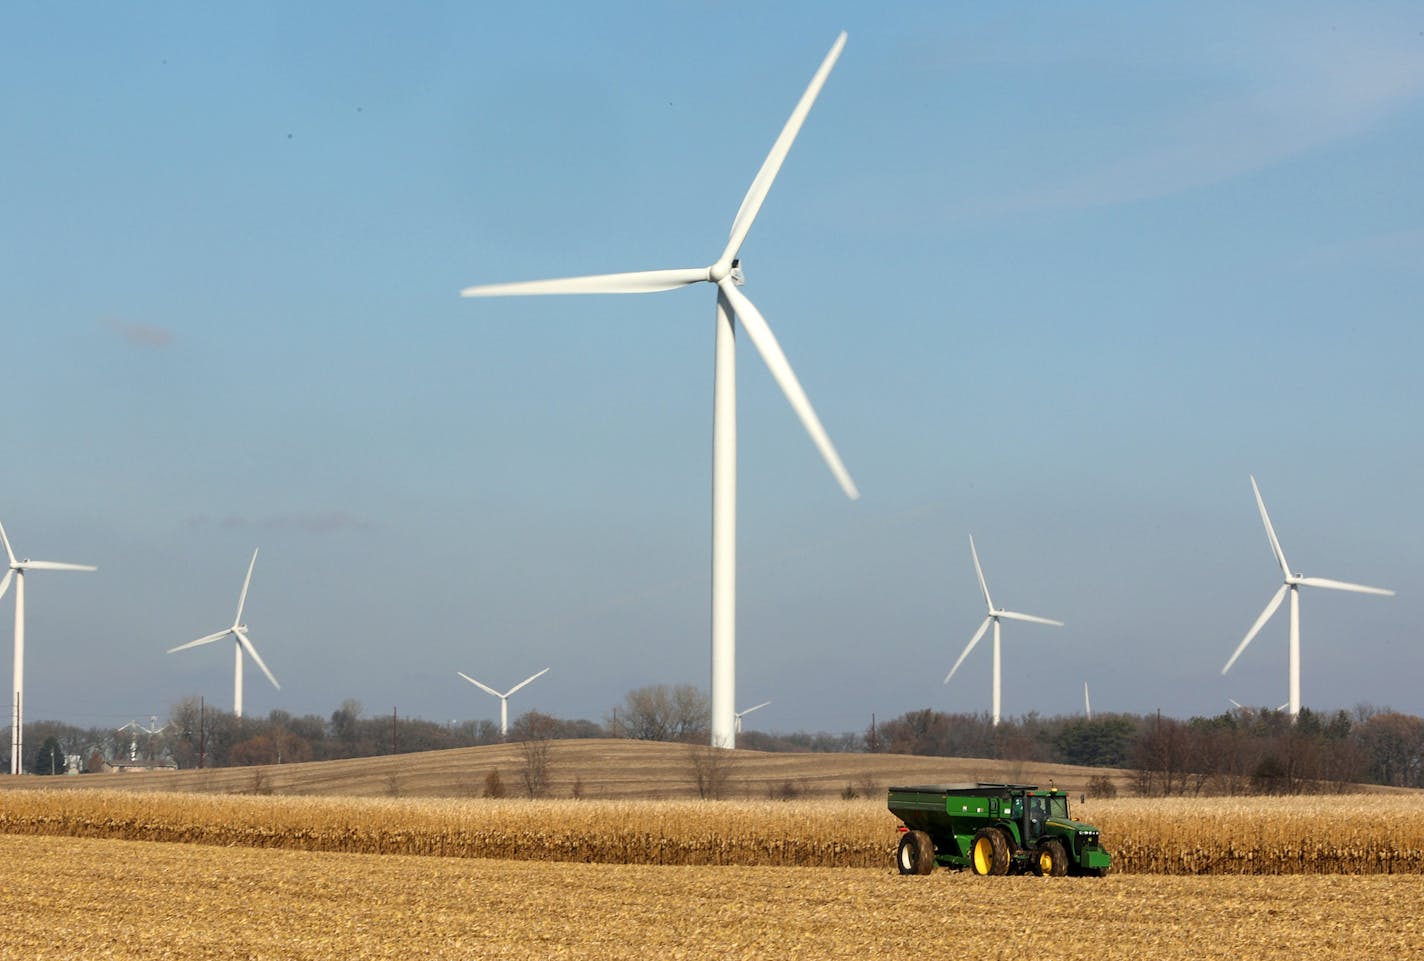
(916, 854)
(1051, 859)
(989, 853)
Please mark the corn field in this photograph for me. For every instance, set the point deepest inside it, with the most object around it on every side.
(1351, 834)
(1338, 834)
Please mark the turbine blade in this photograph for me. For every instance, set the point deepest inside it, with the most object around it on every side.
(252, 651)
(1333, 585)
(750, 709)
(55, 566)
(242, 599)
(4, 538)
(983, 586)
(771, 354)
(202, 640)
(761, 184)
(5, 584)
(526, 681)
(1033, 618)
(969, 647)
(484, 687)
(1271, 531)
(637, 282)
(1260, 623)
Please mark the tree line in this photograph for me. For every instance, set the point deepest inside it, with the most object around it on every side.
(1235, 752)
(1244, 751)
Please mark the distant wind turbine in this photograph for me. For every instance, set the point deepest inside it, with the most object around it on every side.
(16, 572)
(503, 698)
(742, 714)
(994, 615)
(732, 304)
(1242, 707)
(1087, 704)
(238, 630)
(1292, 584)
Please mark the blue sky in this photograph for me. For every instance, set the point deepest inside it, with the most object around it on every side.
(1059, 278)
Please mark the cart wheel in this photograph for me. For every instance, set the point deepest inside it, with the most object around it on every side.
(916, 854)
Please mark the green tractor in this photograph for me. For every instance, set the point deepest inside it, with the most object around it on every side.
(994, 829)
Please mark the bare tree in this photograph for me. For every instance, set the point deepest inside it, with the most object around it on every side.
(535, 731)
(662, 713)
(711, 769)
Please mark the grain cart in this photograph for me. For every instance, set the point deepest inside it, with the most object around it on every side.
(993, 829)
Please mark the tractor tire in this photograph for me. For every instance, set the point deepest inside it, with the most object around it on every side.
(989, 853)
(1051, 859)
(1096, 872)
(916, 854)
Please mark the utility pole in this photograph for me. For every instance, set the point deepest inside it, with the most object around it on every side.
(393, 731)
(202, 732)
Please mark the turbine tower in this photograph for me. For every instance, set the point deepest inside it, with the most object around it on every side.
(238, 630)
(1293, 583)
(742, 714)
(994, 615)
(503, 698)
(732, 304)
(16, 572)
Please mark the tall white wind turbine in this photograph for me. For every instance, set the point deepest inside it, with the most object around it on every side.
(238, 630)
(16, 572)
(994, 615)
(732, 304)
(742, 714)
(503, 698)
(1293, 583)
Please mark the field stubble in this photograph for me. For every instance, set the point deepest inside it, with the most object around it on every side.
(68, 898)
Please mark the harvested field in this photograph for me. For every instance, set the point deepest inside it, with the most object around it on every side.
(1359, 834)
(66, 899)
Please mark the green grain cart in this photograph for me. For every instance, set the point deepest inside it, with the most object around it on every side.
(993, 829)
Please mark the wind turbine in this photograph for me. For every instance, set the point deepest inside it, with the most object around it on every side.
(1087, 704)
(239, 634)
(503, 698)
(1242, 707)
(1292, 584)
(742, 714)
(16, 572)
(732, 304)
(994, 615)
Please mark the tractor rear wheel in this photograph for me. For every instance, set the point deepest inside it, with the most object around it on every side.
(916, 854)
(1051, 859)
(989, 853)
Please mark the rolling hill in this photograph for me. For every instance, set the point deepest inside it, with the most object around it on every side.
(595, 768)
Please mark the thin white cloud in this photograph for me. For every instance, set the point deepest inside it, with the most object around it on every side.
(309, 522)
(140, 335)
(1295, 95)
